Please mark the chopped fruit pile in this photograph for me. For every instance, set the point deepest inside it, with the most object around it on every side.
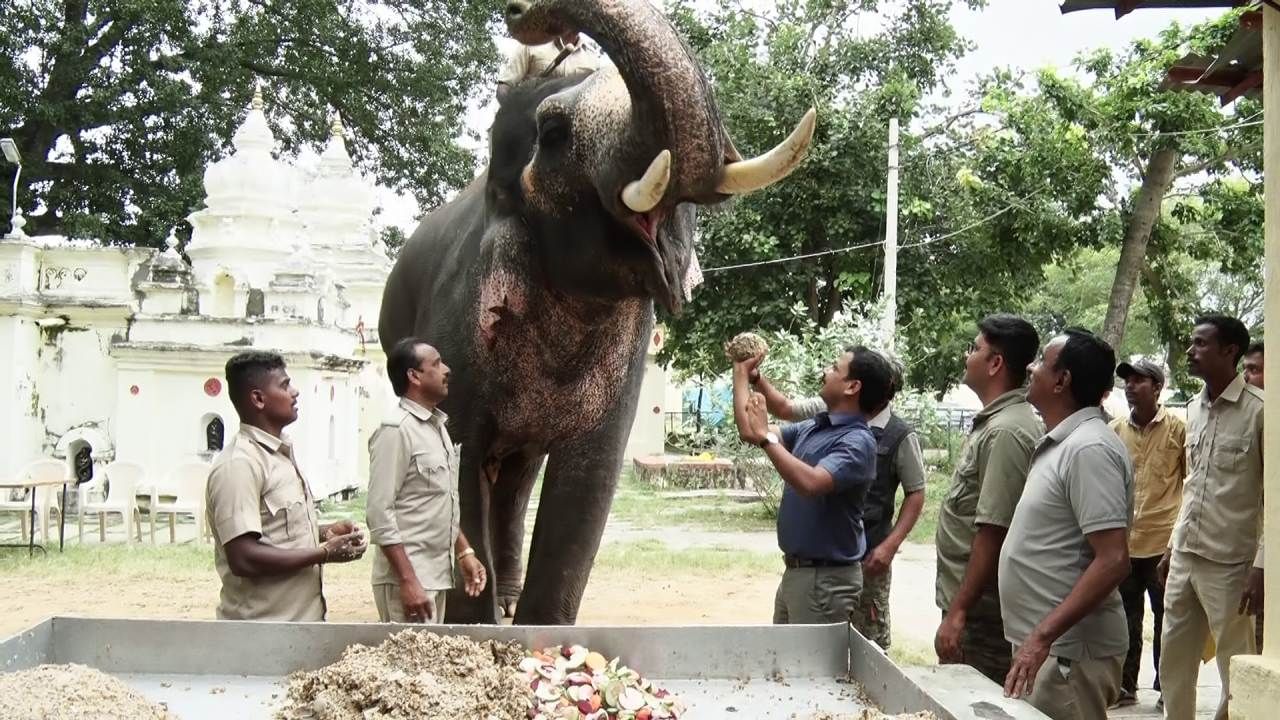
(571, 682)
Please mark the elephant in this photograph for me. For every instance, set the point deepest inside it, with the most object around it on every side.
(537, 285)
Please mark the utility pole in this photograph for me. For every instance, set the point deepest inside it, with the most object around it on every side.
(891, 242)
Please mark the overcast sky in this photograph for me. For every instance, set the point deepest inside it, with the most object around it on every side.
(1025, 34)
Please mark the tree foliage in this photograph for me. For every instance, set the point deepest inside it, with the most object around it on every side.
(118, 105)
(768, 69)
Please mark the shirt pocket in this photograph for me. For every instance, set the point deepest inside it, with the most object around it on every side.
(432, 468)
(286, 513)
(1229, 454)
(963, 498)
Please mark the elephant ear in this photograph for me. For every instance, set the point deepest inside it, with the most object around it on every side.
(504, 281)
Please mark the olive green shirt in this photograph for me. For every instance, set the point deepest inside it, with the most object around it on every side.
(1222, 498)
(255, 487)
(985, 489)
(413, 495)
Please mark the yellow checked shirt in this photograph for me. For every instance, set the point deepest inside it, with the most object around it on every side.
(1222, 500)
(1159, 459)
(255, 487)
(413, 495)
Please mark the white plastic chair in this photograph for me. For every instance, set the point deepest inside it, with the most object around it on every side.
(123, 479)
(42, 470)
(187, 482)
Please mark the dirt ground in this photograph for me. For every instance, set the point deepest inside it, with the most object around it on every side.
(612, 598)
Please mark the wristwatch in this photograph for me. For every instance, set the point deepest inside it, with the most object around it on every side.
(769, 439)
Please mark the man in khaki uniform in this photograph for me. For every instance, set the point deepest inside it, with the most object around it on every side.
(1067, 550)
(268, 542)
(985, 488)
(412, 508)
(1156, 440)
(1255, 375)
(1214, 563)
(567, 55)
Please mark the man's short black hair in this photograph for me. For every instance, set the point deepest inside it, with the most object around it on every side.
(402, 358)
(247, 371)
(876, 375)
(1092, 364)
(1255, 349)
(1015, 339)
(1230, 332)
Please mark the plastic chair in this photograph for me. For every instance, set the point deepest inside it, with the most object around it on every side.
(187, 482)
(42, 470)
(123, 479)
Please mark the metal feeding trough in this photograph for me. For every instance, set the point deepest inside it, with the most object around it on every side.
(211, 669)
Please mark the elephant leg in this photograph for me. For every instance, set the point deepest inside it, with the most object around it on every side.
(475, 497)
(509, 504)
(577, 491)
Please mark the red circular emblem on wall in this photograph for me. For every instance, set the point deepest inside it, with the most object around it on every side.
(134, 390)
(657, 410)
(212, 387)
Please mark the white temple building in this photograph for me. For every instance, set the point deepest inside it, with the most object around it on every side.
(117, 353)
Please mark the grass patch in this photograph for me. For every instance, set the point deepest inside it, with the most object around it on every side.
(640, 505)
(335, 510)
(905, 653)
(648, 556)
(936, 486)
(113, 561)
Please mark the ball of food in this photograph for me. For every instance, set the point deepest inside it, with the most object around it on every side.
(745, 346)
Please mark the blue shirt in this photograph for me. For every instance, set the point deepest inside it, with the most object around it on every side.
(828, 527)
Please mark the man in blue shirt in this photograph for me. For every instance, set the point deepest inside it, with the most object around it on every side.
(826, 465)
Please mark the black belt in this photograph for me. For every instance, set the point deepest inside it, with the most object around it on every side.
(792, 561)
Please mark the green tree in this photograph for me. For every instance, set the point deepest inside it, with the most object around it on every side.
(117, 106)
(1158, 145)
(768, 69)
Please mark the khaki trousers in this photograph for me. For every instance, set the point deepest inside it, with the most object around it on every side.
(817, 595)
(387, 599)
(1077, 689)
(1201, 600)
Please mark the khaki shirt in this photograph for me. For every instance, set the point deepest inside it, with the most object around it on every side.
(985, 489)
(255, 487)
(528, 61)
(1159, 456)
(413, 495)
(1080, 483)
(1222, 499)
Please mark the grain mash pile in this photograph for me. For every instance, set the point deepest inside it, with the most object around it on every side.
(72, 692)
(417, 674)
(414, 675)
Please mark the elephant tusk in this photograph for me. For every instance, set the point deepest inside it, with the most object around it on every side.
(643, 195)
(759, 172)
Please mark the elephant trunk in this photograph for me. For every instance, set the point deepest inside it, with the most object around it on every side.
(672, 106)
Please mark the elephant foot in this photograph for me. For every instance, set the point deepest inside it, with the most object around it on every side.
(508, 606)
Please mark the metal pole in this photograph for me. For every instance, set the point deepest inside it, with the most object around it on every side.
(891, 242)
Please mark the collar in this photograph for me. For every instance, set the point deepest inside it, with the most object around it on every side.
(423, 414)
(1009, 399)
(839, 418)
(1161, 414)
(1231, 394)
(1073, 421)
(881, 420)
(262, 437)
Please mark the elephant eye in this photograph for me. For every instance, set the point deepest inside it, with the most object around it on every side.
(553, 132)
